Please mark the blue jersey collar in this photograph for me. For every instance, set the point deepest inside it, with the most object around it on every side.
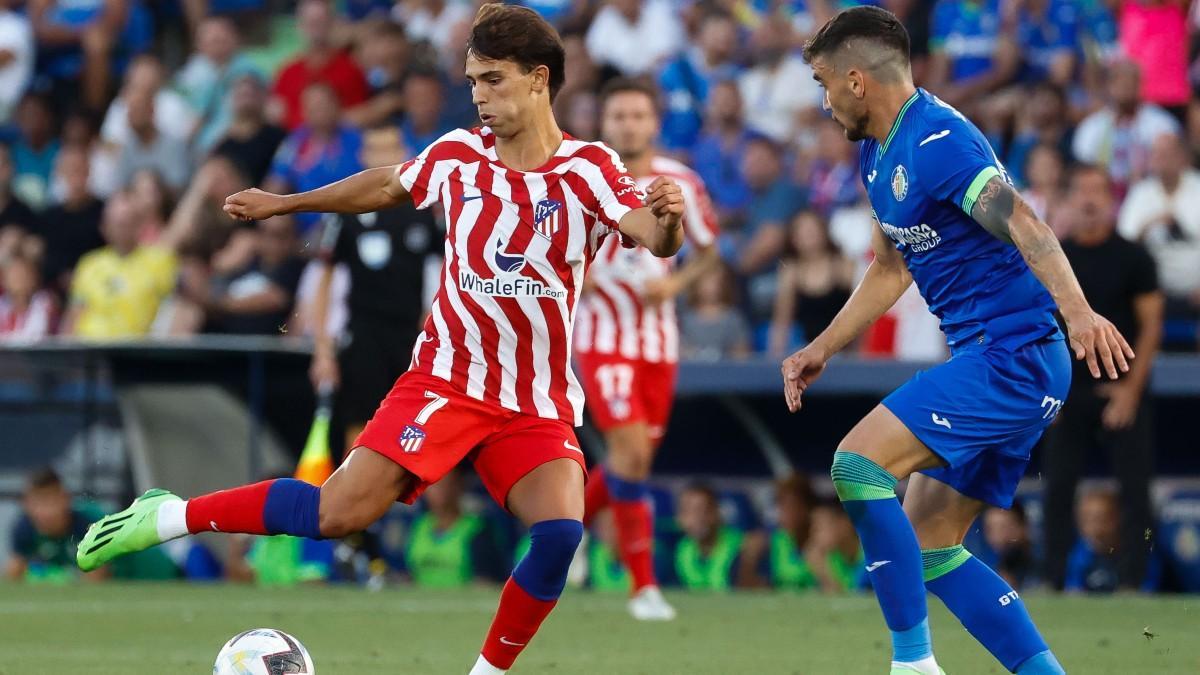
(899, 118)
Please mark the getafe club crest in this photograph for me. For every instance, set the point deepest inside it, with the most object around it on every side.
(900, 183)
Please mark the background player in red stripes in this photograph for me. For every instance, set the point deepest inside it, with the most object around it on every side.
(526, 207)
(627, 339)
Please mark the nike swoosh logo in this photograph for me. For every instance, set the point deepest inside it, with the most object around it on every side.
(213, 525)
(568, 446)
(940, 421)
(876, 565)
(510, 643)
(465, 198)
(933, 137)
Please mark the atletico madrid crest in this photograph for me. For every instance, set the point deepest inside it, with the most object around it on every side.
(546, 217)
(411, 439)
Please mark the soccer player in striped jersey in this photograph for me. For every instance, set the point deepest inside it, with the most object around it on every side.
(627, 341)
(527, 207)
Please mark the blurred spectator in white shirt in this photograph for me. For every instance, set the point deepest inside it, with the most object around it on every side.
(173, 116)
(16, 57)
(432, 20)
(1118, 136)
(779, 89)
(1161, 211)
(635, 37)
(27, 312)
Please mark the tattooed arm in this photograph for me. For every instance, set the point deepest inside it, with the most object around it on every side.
(1002, 212)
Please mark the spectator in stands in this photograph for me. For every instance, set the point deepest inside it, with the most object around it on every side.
(712, 328)
(762, 238)
(254, 296)
(582, 79)
(1043, 190)
(717, 154)
(970, 54)
(833, 552)
(209, 76)
(1006, 532)
(1040, 120)
(384, 56)
(281, 560)
(17, 53)
(79, 40)
(320, 62)
(1119, 281)
(815, 280)
(46, 531)
(146, 80)
(1161, 212)
(605, 571)
(34, 150)
(432, 21)
(448, 548)
(634, 37)
(778, 91)
(319, 152)
(423, 123)
(152, 204)
(709, 556)
(830, 173)
(1047, 33)
(116, 290)
(1096, 562)
(27, 312)
(250, 141)
(150, 148)
(1154, 35)
(1118, 136)
(71, 227)
(686, 80)
(13, 211)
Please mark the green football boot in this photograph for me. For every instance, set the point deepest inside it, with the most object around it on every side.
(134, 529)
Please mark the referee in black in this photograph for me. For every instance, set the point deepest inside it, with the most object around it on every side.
(387, 254)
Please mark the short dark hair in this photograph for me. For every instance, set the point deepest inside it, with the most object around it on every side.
(859, 23)
(42, 479)
(518, 34)
(621, 85)
(1083, 168)
(703, 488)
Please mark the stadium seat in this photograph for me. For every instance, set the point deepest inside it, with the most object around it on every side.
(1178, 539)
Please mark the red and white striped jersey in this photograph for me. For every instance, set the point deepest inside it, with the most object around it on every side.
(517, 246)
(613, 319)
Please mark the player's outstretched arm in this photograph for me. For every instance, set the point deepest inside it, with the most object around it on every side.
(659, 226)
(1002, 212)
(885, 281)
(365, 191)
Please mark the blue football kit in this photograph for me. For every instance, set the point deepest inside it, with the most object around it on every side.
(983, 410)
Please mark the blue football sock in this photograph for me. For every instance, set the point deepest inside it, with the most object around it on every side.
(868, 493)
(293, 507)
(989, 609)
(543, 570)
(623, 490)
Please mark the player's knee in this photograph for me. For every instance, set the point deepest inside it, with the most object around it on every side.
(855, 478)
(335, 525)
(552, 543)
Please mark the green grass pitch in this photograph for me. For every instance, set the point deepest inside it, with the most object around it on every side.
(178, 629)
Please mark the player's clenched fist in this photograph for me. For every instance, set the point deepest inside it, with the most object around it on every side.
(799, 371)
(253, 204)
(665, 200)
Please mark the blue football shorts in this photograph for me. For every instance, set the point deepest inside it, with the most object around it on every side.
(983, 410)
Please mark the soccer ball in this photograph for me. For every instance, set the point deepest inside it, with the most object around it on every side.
(263, 651)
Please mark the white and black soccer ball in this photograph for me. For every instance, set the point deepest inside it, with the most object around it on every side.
(263, 651)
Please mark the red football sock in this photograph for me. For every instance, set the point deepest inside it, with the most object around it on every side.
(238, 509)
(517, 619)
(635, 541)
(595, 495)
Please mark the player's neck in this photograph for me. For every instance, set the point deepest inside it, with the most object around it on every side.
(533, 145)
(639, 165)
(892, 101)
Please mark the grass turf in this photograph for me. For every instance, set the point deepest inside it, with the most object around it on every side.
(178, 629)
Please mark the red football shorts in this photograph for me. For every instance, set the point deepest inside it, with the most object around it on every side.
(428, 426)
(623, 391)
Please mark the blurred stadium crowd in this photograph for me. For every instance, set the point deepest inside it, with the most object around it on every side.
(125, 123)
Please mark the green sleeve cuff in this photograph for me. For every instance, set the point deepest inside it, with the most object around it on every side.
(981, 179)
